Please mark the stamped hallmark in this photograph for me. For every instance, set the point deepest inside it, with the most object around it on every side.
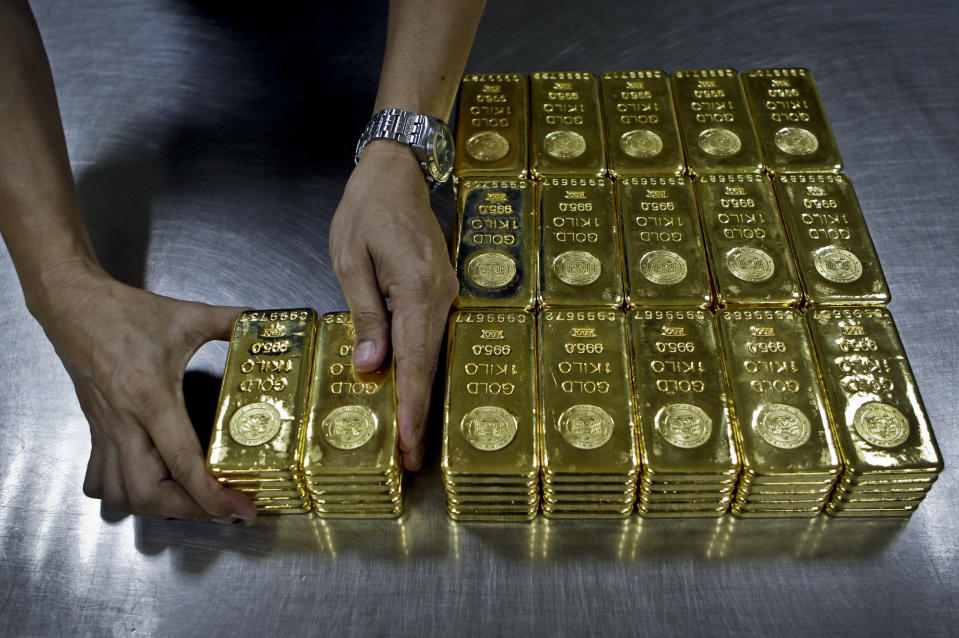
(349, 427)
(750, 264)
(684, 425)
(796, 141)
(489, 428)
(641, 143)
(255, 424)
(491, 270)
(577, 268)
(663, 267)
(837, 264)
(719, 142)
(565, 144)
(881, 424)
(783, 426)
(586, 427)
(487, 146)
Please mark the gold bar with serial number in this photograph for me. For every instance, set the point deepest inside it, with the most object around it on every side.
(685, 417)
(838, 264)
(783, 426)
(748, 249)
(881, 423)
(642, 134)
(587, 426)
(663, 247)
(718, 134)
(790, 120)
(566, 124)
(352, 427)
(263, 399)
(491, 125)
(490, 416)
(580, 253)
(496, 254)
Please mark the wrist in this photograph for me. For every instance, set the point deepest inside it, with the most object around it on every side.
(58, 285)
(388, 160)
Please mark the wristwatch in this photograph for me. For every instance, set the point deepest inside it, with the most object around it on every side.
(428, 137)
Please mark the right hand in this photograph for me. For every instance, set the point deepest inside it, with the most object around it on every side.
(126, 350)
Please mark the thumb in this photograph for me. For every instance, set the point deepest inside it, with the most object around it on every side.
(370, 322)
(216, 322)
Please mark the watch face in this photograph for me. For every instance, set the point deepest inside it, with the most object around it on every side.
(441, 152)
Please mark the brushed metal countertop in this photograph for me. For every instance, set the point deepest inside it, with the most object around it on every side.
(210, 147)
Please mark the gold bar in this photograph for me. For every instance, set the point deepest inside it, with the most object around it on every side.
(718, 135)
(491, 125)
(496, 252)
(566, 124)
(681, 395)
(838, 264)
(663, 243)
(585, 395)
(790, 120)
(782, 425)
(642, 134)
(748, 249)
(580, 252)
(352, 428)
(489, 425)
(262, 407)
(881, 423)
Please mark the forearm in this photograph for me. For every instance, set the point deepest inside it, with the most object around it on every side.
(427, 44)
(40, 218)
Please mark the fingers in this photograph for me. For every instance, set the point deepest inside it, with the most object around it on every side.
(93, 479)
(367, 309)
(175, 440)
(114, 492)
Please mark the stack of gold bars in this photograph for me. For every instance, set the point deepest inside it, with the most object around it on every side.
(707, 300)
(490, 438)
(296, 429)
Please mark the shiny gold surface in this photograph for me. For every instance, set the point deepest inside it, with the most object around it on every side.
(642, 134)
(749, 253)
(717, 133)
(566, 125)
(881, 425)
(580, 253)
(837, 261)
(268, 370)
(491, 126)
(790, 120)
(490, 411)
(680, 392)
(496, 252)
(664, 253)
(584, 372)
(782, 425)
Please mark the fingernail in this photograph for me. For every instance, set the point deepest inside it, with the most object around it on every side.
(224, 520)
(365, 352)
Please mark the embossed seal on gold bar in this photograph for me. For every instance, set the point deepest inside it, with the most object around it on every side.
(255, 424)
(586, 427)
(783, 426)
(663, 267)
(750, 264)
(577, 267)
(881, 424)
(684, 425)
(837, 264)
(489, 428)
(565, 144)
(796, 141)
(641, 144)
(349, 427)
(491, 270)
(719, 142)
(487, 146)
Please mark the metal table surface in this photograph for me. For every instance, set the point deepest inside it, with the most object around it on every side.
(210, 143)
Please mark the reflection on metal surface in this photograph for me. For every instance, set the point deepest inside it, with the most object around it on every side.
(791, 121)
(837, 261)
(749, 253)
(566, 125)
(491, 127)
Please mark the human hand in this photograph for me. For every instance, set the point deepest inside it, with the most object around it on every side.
(126, 350)
(385, 242)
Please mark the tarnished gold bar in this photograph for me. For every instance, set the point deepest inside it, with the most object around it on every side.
(680, 393)
(717, 133)
(663, 243)
(491, 125)
(791, 122)
(837, 260)
(490, 416)
(782, 425)
(496, 254)
(881, 423)
(566, 124)
(585, 396)
(749, 252)
(642, 134)
(352, 428)
(580, 252)
(263, 399)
